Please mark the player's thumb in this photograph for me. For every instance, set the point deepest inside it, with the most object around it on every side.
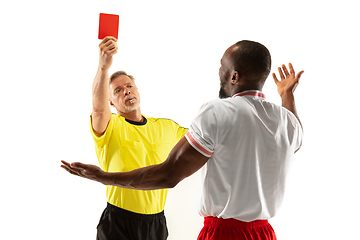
(299, 74)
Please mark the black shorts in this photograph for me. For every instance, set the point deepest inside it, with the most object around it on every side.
(119, 224)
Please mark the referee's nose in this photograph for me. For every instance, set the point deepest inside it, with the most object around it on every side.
(127, 91)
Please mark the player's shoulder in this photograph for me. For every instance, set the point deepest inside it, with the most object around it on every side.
(212, 103)
(215, 105)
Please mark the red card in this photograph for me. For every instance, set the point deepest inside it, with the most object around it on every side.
(108, 25)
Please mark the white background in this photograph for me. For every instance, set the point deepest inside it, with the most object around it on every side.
(49, 56)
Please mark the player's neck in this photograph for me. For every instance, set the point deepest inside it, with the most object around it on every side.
(243, 88)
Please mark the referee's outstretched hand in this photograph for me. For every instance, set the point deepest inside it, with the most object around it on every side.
(88, 171)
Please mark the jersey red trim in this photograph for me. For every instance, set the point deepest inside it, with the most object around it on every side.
(197, 145)
(252, 93)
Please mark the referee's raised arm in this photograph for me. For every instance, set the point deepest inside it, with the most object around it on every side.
(101, 112)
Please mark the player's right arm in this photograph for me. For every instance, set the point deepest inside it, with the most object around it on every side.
(101, 112)
(286, 87)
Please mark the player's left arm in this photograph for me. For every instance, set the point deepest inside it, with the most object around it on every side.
(182, 162)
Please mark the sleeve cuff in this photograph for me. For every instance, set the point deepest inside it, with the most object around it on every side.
(197, 146)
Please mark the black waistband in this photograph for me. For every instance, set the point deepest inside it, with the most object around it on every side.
(133, 214)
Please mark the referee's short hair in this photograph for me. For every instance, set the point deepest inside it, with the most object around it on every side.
(120, 73)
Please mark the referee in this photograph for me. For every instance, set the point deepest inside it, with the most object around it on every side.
(126, 141)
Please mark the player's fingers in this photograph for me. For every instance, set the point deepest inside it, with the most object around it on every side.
(291, 68)
(65, 163)
(275, 78)
(70, 170)
(285, 70)
(281, 73)
(79, 165)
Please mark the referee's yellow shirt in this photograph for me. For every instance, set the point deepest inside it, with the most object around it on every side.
(126, 146)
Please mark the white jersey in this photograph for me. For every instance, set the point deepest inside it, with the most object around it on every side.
(250, 142)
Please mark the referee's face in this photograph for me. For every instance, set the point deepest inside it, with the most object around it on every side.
(124, 94)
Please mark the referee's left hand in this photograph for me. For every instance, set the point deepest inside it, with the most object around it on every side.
(88, 171)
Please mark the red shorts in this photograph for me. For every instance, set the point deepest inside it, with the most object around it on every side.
(223, 229)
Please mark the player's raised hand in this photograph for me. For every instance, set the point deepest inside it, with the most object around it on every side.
(107, 48)
(288, 80)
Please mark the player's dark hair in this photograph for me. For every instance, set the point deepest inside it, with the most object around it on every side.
(120, 73)
(252, 59)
